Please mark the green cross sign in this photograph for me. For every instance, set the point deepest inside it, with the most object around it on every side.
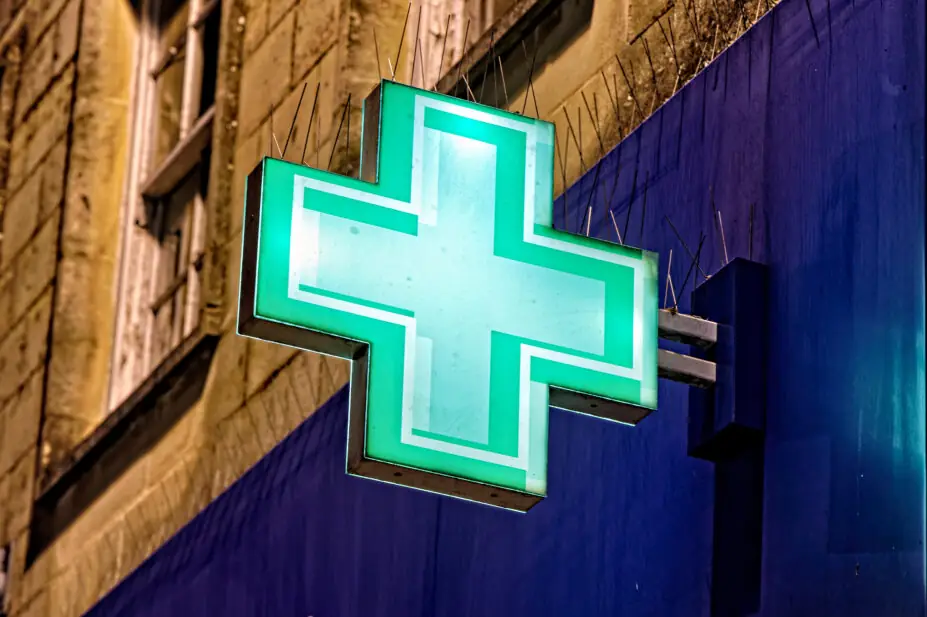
(440, 275)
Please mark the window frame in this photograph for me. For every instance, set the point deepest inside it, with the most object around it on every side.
(502, 38)
(148, 183)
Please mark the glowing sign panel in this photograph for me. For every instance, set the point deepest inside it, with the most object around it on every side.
(465, 313)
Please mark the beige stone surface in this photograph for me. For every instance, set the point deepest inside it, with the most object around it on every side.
(45, 13)
(318, 25)
(38, 66)
(12, 367)
(277, 9)
(103, 515)
(256, 23)
(17, 506)
(41, 129)
(6, 300)
(66, 35)
(21, 215)
(265, 77)
(264, 359)
(35, 266)
(21, 417)
(225, 386)
(233, 252)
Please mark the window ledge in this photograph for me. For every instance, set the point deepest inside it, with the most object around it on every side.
(182, 159)
(68, 487)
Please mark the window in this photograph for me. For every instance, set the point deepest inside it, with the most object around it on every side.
(425, 57)
(507, 42)
(167, 185)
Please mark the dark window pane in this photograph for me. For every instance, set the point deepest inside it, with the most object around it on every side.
(204, 176)
(173, 12)
(210, 60)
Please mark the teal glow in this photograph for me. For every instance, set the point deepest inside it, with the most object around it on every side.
(473, 305)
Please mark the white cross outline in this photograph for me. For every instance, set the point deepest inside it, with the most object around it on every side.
(305, 227)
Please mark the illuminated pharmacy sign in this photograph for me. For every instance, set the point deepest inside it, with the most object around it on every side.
(465, 313)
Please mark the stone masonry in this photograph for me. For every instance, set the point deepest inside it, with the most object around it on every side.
(65, 103)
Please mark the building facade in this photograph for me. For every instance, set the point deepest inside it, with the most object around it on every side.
(127, 402)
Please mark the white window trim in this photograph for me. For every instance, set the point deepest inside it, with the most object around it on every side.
(139, 251)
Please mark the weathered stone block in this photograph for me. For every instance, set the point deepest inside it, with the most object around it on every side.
(137, 526)
(60, 434)
(51, 117)
(200, 468)
(66, 43)
(644, 13)
(6, 298)
(279, 7)
(33, 202)
(5, 534)
(4, 410)
(68, 590)
(105, 513)
(96, 560)
(37, 71)
(17, 508)
(339, 373)
(265, 78)
(284, 115)
(35, 266)
(51, 195)
(280, 405)
(263, 360)
(159, 514)
(248, 154)
(173, 445)
(176, 490)
(19, 144)
(225, 387)
(331, 101)
(37, 324)
(18, 548)
(22, 414)
(65, 393)
(263, 432)
(20, 218)
(314, 378)
(45, 12)
(41, 130)
(224, 470)
(318, 23)
(29, 584)
(11, 355)
(255, 24)
(36, 606)
(233, 282)
(327, 113)
(238, 447)
(6, 15)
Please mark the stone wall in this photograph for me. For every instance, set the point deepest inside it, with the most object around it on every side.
(39, 51)
(60, 197)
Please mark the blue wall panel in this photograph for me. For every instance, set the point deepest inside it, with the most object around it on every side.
(813, 121)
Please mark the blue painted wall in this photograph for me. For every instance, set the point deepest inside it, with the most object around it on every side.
(824, 133)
